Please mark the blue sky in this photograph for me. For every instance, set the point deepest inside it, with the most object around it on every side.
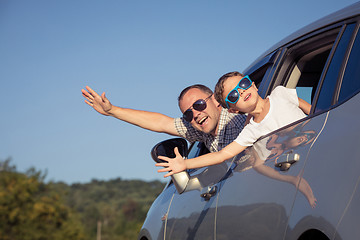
(141, 53)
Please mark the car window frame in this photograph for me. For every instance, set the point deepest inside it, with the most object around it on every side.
(340, 71)
(336, 102)
(278, 78)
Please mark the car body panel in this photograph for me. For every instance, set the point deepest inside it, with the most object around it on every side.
(298, 182)
(198, 218)
(191, 221)
(333, 172)
(156, 218)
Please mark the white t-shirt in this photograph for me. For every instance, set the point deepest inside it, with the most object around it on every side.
(284, 109)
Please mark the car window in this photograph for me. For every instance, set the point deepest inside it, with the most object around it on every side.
(306, 62)
(325, 99)
(196, 149)
(307, 71)
(303, 62)
(193, 150)
(351, 80)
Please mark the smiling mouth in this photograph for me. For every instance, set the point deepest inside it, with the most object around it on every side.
(202, 120)
(247, 97)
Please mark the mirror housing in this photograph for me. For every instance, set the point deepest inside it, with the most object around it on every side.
(166, 148)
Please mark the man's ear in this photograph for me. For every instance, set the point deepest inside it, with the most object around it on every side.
(217, 104)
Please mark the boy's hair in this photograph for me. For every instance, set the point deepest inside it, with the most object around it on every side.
(219, 88)
(201, 87)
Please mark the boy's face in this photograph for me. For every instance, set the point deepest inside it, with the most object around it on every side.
(248, 98)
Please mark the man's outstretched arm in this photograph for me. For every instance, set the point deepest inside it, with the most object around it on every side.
(152, 121)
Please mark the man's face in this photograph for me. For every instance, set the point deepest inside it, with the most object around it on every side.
(206, 120)
(248, 98)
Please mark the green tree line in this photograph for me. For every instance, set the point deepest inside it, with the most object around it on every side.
(31, 209)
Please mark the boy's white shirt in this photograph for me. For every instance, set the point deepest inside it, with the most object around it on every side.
(284, 109)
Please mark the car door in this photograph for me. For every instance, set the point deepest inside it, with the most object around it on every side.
(257, 198)
(192, 213)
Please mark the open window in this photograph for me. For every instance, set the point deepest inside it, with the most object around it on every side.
(306, 72)
(305, 63)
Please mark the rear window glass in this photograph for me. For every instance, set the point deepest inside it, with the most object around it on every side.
(351, 81)
(330, 81)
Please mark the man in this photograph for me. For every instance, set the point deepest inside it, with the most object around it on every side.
(203, 118)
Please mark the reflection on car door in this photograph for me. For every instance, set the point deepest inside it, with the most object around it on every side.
(258, 195)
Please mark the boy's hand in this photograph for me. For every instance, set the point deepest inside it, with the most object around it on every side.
(173, 165)
(100, 103)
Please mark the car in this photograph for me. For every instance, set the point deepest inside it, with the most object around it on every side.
(298, 182)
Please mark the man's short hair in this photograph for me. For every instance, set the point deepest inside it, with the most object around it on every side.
(201, 87)
(219, 88)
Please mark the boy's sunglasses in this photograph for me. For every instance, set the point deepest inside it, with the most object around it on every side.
(198, 105)
(234, 94)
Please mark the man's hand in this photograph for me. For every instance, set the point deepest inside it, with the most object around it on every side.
(173, 165)
(100, 103)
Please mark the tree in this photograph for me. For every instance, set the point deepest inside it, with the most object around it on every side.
(31, 209)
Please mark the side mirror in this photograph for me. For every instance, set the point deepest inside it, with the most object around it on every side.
(166, 148)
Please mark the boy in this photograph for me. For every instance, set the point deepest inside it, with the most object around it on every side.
(239, 94)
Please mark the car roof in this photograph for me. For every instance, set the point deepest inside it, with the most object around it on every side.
(345, 13)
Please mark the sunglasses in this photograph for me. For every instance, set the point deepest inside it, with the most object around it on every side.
(198, 105)
(234, 94)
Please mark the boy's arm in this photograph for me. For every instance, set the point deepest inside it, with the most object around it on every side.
(178, 164)
(153, 121)
(304, 106)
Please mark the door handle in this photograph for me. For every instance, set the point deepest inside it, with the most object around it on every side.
(285, 161)
(208, 192)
